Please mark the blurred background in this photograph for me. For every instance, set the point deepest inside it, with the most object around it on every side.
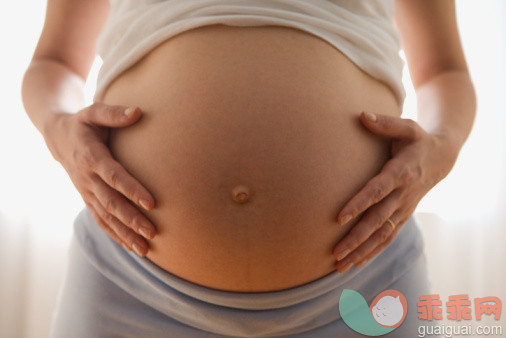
(463, 218)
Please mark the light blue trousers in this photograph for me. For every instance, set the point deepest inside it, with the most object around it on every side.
(111, 292)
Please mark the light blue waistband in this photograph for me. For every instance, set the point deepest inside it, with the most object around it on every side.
(312, 304)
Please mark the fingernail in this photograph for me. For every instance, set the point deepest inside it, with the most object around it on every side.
(129, 111)
(144, 203)
(346, 267)
(342, 254)
(137, 249)
(147, 232)
(370, 116)
(345, 219)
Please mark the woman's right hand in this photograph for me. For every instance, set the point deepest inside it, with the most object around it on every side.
(79, 142)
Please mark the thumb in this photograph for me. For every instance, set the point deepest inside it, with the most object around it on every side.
(110, 116)
(392, 126)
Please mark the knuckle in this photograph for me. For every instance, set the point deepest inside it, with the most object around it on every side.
(111, 175)
(377, 192)
(110, 205)
(84, 157)
(102, 214)
(134, 221)
(405, 174)
(384, 233)
(417, 172)
(392, 165)
(378, 219)
(109, 218)
(79, 156)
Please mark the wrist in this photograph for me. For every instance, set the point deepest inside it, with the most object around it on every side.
(51, 123)
(448, 146)
(451, 138)
(50, 129)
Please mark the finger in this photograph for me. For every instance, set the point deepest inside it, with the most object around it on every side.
(116, 176)
(373, 192)
(125, 234)
(104, 226)
(116, 205)
(108, 115)
(384, 244)
(391, 126)
(360, 253)
(371, 221)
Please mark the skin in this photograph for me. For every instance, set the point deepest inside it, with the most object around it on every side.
(423, 152)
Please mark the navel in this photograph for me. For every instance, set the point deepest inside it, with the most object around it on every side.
(241, 194)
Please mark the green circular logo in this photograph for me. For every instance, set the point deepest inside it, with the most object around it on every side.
(386, 313)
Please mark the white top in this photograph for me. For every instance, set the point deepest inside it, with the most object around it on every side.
(361, 29)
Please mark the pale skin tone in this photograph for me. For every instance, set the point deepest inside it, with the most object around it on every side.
(423, 152)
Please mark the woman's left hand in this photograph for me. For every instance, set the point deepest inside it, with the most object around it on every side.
(419, 160)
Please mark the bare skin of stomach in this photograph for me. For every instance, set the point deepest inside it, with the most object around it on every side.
(251, 144)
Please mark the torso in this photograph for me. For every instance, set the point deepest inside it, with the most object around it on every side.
(270, 111)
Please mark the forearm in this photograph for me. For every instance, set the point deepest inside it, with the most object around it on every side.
(50, 88)
(447, 106)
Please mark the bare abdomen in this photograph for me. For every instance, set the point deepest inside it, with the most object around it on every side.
(250, 143)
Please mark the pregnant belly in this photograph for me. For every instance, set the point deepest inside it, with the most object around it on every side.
(250, 143)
